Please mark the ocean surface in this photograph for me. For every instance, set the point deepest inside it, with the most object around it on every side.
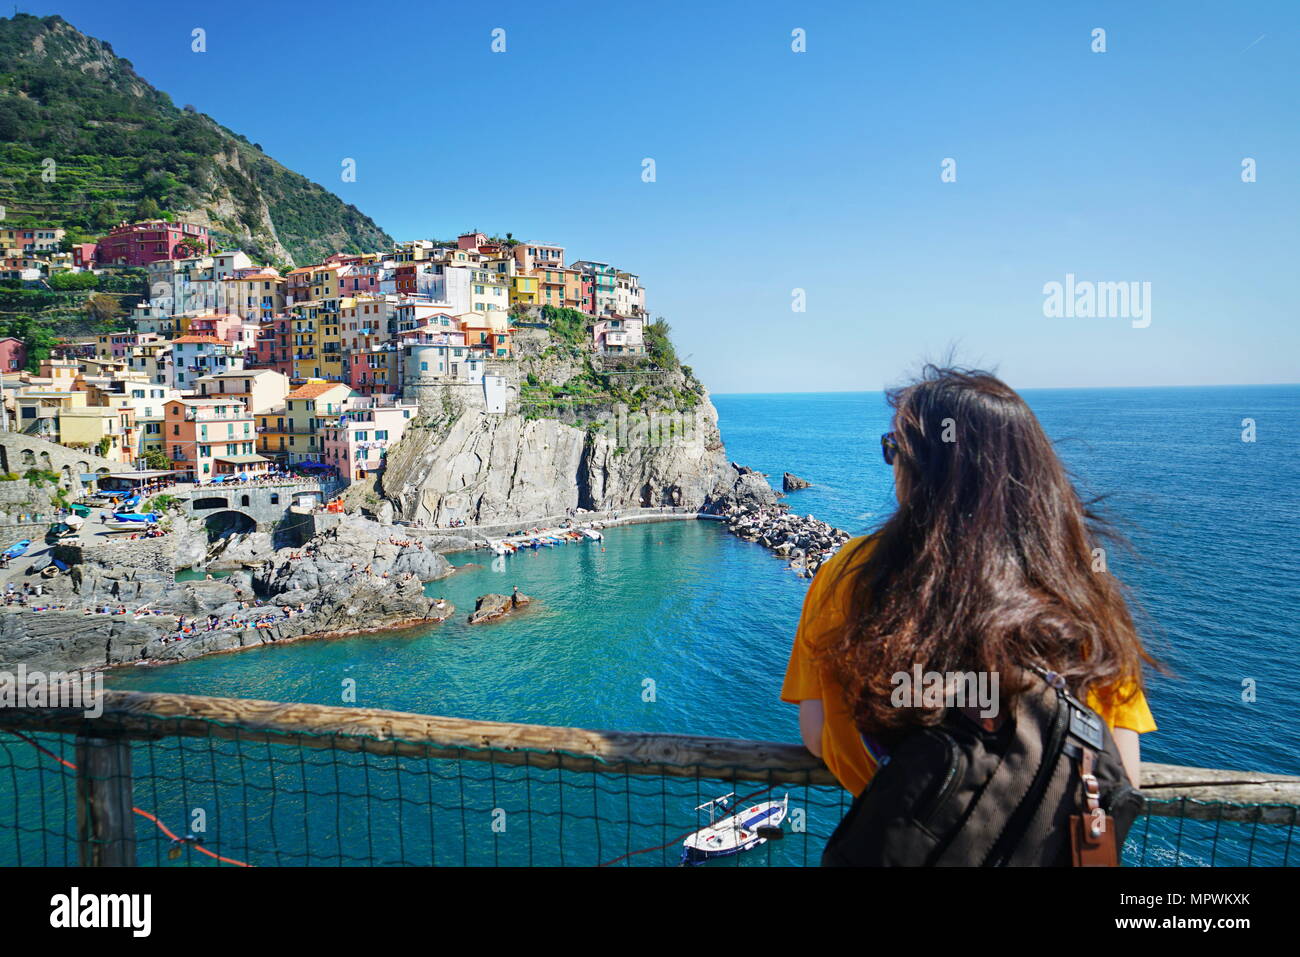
(680, 627)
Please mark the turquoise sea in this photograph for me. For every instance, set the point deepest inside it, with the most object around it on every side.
(705, 621)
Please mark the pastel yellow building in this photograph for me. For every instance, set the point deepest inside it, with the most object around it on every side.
(308, 409)
(524, 290)
(254, 296)
(106, 431)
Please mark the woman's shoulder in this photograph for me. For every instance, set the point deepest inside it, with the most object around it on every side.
(852, 551)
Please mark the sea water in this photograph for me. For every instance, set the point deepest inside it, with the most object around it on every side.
(680, 627)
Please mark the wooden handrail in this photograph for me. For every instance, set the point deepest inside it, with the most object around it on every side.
(1202, 793)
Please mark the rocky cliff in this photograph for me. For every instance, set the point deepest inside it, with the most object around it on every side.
(586, 443)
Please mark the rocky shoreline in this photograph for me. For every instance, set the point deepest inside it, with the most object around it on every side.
(358, 577)
(120, 604)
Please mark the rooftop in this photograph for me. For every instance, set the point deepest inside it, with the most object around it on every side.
(313, 390)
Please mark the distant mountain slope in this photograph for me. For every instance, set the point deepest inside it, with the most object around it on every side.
(124, 150)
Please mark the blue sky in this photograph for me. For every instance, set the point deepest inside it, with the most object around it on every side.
(818, 171)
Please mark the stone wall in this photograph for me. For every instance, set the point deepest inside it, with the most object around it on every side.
(26, 510)
(19, 452)
(145, 554)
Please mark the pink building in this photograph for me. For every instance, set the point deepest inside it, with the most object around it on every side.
(358, 279)
(83, 255)
(274, 346)
(216, 326)
(138, 244)
(357, 443)
(13, 354)
(118, 345)
(374, 371)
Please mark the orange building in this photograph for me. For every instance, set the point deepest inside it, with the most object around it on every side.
(211, 437)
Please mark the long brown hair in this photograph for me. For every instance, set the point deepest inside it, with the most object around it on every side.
(988, 563)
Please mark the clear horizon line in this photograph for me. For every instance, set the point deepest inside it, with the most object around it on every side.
(1039, 388)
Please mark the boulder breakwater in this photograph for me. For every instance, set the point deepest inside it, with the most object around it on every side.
(806, 542)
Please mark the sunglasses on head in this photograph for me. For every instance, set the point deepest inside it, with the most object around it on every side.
(888, 447)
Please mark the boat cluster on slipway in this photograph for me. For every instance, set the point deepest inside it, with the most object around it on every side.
(545, 538)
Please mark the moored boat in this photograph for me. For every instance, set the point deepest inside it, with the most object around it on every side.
(740, 831)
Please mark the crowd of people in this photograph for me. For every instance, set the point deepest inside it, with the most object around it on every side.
(25, 596)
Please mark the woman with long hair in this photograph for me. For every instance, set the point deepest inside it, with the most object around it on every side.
(991, 564)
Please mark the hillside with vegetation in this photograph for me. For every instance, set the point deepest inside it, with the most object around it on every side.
(562, 378)
(122, 150)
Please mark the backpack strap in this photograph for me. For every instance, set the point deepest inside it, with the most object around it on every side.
(1093, 842)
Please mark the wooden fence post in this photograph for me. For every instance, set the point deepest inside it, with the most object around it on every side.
(105, 821)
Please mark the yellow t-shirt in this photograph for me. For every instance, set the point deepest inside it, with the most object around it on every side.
(824, 611)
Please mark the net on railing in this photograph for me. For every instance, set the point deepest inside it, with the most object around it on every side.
(207, 792)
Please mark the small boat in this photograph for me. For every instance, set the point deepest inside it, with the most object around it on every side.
(17, 549)
(499, 548)
(592, 534)
(53, 568)
(740, 831)
(58, 531)
(146, 517)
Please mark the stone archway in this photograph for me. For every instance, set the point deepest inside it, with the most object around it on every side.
(27, 458)
(228, 522)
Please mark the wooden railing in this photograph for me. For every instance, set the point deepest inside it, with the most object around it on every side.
(103, 744)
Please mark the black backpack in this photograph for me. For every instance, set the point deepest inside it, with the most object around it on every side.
(1045, 788)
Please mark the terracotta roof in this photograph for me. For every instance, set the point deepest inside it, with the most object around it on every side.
(313, 390)
(202, 339)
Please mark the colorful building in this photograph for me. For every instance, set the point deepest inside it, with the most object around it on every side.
(256, 295)
(524, 290)
(273, 347)
(489, 332)
(13, 354)
(193, 357)
(106, 431)
(208, 437)
(138, 244)
(358, 441)
(619, 335)
(261, 390)
(603, 280)
(308, 409)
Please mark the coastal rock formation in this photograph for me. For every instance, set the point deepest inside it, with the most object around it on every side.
(491, 607)
(59, 640)
(461, 463)
(804, 540)
(355, 546)
(792, 483)
(356, 577)
(741, 488)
